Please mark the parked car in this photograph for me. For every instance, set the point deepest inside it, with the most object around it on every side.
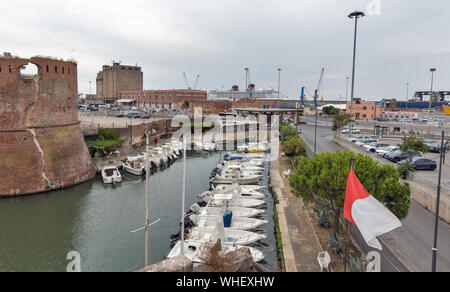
(120, 116)
(421, 163)
(434, 147)
(354, 131)
(397, 156)
(372, 147)
(363, 142)
(359, 138)
(383, 150)
(145, 117)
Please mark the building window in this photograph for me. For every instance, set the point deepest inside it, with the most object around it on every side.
(63, 70)
(47, 69)
(0, 68)
(10, 68)
(365, 108)
(56, 69)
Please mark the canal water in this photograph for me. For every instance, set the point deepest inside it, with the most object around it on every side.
(96, 220)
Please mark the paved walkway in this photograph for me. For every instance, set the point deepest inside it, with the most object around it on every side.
(300, 247)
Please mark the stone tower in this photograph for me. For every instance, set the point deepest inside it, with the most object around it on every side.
(41, 144)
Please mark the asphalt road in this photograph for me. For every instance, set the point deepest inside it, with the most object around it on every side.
(409, 247)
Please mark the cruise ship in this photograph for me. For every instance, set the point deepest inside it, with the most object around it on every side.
(235, 95)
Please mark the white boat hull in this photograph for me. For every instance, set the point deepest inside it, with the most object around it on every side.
(193, 250)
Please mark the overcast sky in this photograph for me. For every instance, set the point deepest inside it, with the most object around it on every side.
(219, 38)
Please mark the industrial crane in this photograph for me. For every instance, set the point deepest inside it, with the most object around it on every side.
(319, 87)
(188, 86)
(196, 81)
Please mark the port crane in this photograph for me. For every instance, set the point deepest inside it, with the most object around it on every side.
(188, 86)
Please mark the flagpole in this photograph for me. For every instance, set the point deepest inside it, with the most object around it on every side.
(347, 228)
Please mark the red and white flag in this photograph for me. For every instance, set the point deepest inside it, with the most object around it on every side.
(370, 216)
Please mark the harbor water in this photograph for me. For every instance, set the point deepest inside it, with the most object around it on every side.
(96, 220)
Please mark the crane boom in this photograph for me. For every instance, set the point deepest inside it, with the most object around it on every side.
(196, 81)
(319, 87)
(186, 81)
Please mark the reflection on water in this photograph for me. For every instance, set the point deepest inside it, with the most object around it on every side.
(37, 232)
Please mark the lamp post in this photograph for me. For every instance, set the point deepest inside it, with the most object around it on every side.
(432, 70)
(438, 200)
(246, 84)
(279, 80)
(346, 90)
(355, 15)
(407, 94)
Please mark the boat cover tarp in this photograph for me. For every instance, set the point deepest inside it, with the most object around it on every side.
(227, 219)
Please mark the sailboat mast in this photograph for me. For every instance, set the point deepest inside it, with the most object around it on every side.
(183, 195)
(147, 197)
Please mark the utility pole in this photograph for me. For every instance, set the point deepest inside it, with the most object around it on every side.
(346, 91)
(432, 70)
(183, 196)
(147, 196)
(279, 81)
(315, 121)
(407, 94)
(347, 228)
(355, 15)
(246, 84)
(438, 200)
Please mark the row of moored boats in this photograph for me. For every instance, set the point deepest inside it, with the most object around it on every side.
(232, 210)
(160, 158)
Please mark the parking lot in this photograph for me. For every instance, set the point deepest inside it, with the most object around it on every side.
(425, 176)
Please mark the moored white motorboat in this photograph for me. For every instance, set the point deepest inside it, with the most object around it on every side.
(154, 162)
(195, 250)
(242, 167)
(134, 166)
(220, 211)
(240, 223)
(227, 235)
(240, 195)
(245, 188)
(254, 147)
(236, 178)
(220, 200)
(205, 146)
(111, 175)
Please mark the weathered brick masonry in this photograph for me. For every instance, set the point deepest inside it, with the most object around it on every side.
(41, 144)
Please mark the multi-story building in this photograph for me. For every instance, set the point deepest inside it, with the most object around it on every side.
(364, 110)
(164, 99)
(116, 78)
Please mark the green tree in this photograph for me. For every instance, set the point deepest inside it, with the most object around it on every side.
(107, 140)
(340, 121)
(405, 169)
(286, 131)
(413, 144)
(322, 180)
(330, 110)
(293, 147)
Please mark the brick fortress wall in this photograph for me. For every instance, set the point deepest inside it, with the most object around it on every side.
(41, 144)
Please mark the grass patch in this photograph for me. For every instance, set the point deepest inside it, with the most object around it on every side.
(280, 253)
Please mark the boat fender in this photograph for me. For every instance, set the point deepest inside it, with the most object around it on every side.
(195, 208)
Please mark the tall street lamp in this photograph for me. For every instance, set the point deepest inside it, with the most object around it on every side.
(279, 79)
(432, 70)
(346, 90)
(407, 94)
(246, 84)
(355, 15)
